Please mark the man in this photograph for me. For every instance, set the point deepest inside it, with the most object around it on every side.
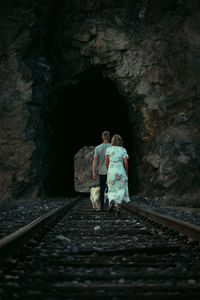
(99, 166)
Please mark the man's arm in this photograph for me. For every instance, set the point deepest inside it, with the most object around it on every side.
(94, 167)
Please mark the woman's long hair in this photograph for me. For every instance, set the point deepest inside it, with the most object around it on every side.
(117, 140)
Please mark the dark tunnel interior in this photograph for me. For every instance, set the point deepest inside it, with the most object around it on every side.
(82, 112)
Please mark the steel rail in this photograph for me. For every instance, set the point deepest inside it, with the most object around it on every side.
(16, 240)
(185, 228)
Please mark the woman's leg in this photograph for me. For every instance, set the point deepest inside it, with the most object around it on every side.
(111, 206)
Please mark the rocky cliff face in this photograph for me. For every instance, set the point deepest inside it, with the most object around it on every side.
(149, 50)
(83, 169)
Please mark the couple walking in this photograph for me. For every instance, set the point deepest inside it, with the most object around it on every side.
(110, 163)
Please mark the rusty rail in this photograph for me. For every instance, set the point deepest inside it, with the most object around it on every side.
(15, 241)
(188, 229)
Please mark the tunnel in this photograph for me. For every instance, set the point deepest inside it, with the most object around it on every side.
(82, 111)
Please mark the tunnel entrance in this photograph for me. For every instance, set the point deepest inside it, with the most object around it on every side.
(82, 111)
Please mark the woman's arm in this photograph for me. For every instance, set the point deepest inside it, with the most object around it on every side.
(125, 163)
(107, 161)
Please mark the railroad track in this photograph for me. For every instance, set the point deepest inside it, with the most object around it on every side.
(18, 214)
(82, 254)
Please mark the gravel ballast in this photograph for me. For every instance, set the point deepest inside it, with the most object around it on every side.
(18, 213)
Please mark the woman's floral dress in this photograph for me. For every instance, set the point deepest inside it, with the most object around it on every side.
(117, 179)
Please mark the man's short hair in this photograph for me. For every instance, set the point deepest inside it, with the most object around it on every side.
(106, 135)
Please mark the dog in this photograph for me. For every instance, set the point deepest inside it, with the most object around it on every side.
(94, 197)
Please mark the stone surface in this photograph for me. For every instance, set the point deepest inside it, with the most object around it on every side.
(83, 180)
(148, 49)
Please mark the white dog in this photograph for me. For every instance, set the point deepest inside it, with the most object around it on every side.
(94, 197)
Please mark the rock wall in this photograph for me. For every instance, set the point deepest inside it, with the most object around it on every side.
(15, 94)
(149, 49)
(83, 169)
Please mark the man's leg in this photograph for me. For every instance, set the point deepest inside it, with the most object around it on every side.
(105, 195)
(102, 183)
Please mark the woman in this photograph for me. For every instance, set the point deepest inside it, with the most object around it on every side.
(117, 177)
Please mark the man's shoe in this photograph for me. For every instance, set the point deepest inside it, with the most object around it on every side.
(118, 211)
